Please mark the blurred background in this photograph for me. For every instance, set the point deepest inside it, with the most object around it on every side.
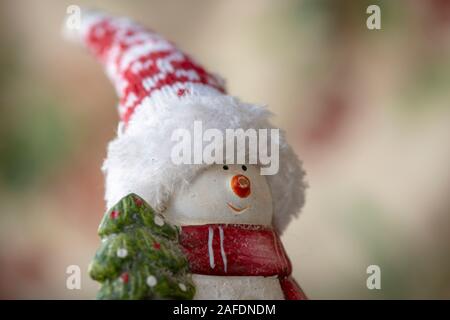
(368, 111)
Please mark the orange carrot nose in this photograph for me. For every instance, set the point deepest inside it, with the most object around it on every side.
(240, 185)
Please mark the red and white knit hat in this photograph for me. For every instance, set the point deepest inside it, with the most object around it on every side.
(162, 89)
(142, 65)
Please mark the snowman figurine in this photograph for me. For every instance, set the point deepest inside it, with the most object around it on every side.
(228, 215)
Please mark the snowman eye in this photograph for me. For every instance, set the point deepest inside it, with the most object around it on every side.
(244, 168)
(225, 167)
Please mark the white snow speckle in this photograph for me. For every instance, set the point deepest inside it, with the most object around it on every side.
(159, 221)
(122, 252)
(182, 286)
(151, 281)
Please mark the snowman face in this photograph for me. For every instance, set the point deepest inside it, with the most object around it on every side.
(223, 194)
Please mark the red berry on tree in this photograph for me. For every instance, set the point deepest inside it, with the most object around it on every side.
(137, 201)
(115, 214)
(124, 276)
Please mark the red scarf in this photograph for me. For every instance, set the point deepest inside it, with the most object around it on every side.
(239, 250)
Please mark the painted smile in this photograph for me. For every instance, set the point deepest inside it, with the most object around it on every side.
(237, 210)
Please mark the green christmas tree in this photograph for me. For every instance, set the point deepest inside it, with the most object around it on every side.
(140, 257)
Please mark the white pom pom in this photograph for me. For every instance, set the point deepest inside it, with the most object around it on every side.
(122, 252)
(151, 281)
